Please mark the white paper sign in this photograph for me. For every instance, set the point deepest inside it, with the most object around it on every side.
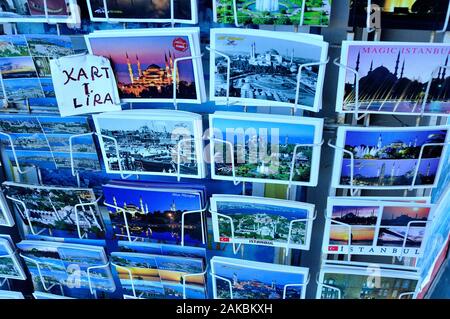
(84, 84)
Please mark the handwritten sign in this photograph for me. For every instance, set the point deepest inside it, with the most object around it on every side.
(84, 84)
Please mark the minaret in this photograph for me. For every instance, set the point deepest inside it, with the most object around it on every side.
(380, 142)
(382, 173)
(371, 66)
(130, 70)
(428, 169)
(403, 69)
(142, 205)
(444, 71)
(397, 64)
(358, 60)
(139, 66)
(292, 56)
(235, 279)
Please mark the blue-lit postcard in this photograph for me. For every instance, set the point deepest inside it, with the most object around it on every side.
(155, 214)
(66, 267)
(256, 280)
(260, 148)
(162, 249)
(389, 158)
(64, 212)
(347, 282)
(261, 221)
(364, 227)
(10, 267)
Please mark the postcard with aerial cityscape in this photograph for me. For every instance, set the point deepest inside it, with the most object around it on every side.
(261, 221)
(364, 227)
(264, 68)
(145, 71)
(256, 280)
(154, 213)
(9, 264)
(393, 77)
(366, 283)
(24, 64)
(6, 218)
(401, 14)
(389, 158)
(57, 209)
(184, 11)
(65, 265)
(43, 141)
(279, 12)
(149, 145)
(263, 148)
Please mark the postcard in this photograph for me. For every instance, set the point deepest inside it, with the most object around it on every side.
(44, 142)
(184, 11)
(66, 266)
(393, 78)
(24, 64)
(10, 266)
(405, 14)
(361, 227)
(256, 280)
(154, 214)
(264, 68)
(144, 71)
(158, 276)
(7, 294)
(6, 218)
(148, 142)
(302, 12)
(264, 147)
(340, 282)
(389, 158)
(58, 209)
(261, 221)
(44, 295)
(39, 11)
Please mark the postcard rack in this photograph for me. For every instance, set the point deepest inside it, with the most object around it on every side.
(128, 234)
(41, 276)
(285, 287)
(26, 213)
(238, 25)
(71, 17)
(356, 109)
(287, 247)
(294, 107)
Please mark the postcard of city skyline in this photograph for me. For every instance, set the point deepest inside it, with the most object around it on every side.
(163, 249)
(264, 68)
(401, 216)
(143, 10)
(50, 46)
(355, 215)
(13, 45)
(255, 280)
(360, 235)
(9, 265)
(17, 67)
